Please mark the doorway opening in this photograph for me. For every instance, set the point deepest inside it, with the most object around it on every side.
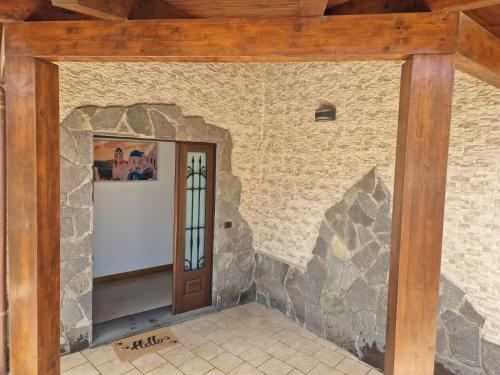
(153, 233)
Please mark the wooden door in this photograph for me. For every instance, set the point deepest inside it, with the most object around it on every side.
(194, 226)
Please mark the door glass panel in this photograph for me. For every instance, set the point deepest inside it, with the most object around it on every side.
(196, 193)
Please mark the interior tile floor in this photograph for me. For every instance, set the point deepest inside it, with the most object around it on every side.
(244, 340)
(116, 299)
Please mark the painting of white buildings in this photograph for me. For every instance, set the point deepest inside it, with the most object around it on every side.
(124, 160)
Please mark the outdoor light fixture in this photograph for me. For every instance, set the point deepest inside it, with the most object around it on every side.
(325, 114)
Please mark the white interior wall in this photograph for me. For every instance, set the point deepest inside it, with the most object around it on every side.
(134, 221)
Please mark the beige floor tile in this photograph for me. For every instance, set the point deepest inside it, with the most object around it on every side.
(196, 366)
(329, 356)
(245, 331)
(262, 341)
(85, 369)
(303, 362)
(246, 369)
(193, 341)
(226, 362)
(326, 343)
(352, 367)
(220, 336)
(228, 324)
(72, 360)
(179, 356)
(169, 349)
(323, 369)
(286, 337)
(256, 308)
(288, 324)
(254, 356)
(306, 333)
(133, 372)
(347, 354)
(148, 362)
(236, 346)
(204, 327)
(274, 316)
(215, 317)
(275, 367)
(306, 346)
(281, 351)
(374, 372)
(115, 367)
(296, 372)
(208, 351)
(166, 369)
(100, 355)
(215, 371)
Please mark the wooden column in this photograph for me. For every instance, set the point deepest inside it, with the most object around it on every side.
(3, 258)
(32, 157)
(418, 210)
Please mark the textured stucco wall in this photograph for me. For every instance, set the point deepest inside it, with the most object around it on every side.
(292, 169)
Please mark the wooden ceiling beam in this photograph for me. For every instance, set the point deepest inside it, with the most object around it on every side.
(377, 7)
(310, 8)
(106, 10)
(365, 37)
(155, 10)
(17, 10)
(478, 51)
(459, 5)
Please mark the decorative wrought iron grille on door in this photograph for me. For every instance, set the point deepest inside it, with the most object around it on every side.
(196, 195)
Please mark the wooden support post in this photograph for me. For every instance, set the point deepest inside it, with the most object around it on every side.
(418, 211)
(33, 215)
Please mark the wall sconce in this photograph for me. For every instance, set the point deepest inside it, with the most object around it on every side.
(325, 114)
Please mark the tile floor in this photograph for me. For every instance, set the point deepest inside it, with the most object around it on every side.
(244, 340)
(120, 298)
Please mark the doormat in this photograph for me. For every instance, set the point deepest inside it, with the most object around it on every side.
(136, 346)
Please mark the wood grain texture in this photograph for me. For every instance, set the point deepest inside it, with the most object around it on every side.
(489, 17)
(33, 215)
(155, 10)
(34, 10)
(376, 7)
(192, 289)
(418, 212)
(237, 8)
(377, 37)
(478, 51)
(101, 9)
(18, 10)
(310, 8)
(459, 5)
(3, 257)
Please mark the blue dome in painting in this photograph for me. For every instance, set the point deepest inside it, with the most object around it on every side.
(136, 153)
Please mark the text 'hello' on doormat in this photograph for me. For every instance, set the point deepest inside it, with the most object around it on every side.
(134, 347)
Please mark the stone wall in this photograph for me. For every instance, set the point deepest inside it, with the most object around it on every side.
(293, 169)
(342, 294)
(233, 252)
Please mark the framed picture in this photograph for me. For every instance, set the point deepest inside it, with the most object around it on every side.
(125, 160)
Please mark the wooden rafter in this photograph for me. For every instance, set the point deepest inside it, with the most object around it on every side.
(106, 10)
(459, 5)
(310, 8)
(478, 51)
(376, 7)
(155, 10)
(376, 37)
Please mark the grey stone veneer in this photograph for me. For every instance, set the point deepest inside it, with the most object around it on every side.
(342, 295)
(233, 253)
